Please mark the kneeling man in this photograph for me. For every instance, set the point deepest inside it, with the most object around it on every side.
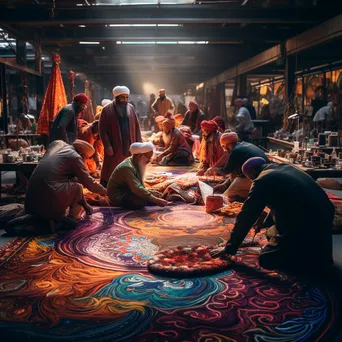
(126, 184)
(55, 184)
(177, 150)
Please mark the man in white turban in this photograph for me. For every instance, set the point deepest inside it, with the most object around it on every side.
(126, 184)
(119, 128)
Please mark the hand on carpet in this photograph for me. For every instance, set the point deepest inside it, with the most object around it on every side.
(212, 171)
(88, 209)
(220, 188)
(218, 252)
(156, 193)
(161, 202)
(200, 173)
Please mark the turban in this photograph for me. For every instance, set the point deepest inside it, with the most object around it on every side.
(245, 100)
(186, 131)
(170, 123)
(229, 138)
(220, 122)
(159, 118)
(120, 90)
(252, 163)
(210, 126)
(239, 102)
(81, 98)
(83, 148)
(179, 117)
(193, 103)
(105, 102)
(141, 148)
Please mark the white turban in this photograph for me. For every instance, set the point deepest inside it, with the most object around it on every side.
(140, 148)
(105, 102)
(120, 90)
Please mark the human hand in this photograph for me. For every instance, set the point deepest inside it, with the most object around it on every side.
(200, 173)
(156, 193)
(109, 151)
(161, 202)
(159, 159)
(211, 171)
(220, 188)
(88, 209)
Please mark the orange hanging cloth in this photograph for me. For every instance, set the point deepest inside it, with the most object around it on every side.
(54, 100)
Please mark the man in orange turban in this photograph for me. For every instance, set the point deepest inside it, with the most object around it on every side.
(236, 186)
(177, 150)
(211, 154)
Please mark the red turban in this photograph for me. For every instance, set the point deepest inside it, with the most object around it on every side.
(220, 123)
(178, 117)
(210, 126)
(81, 98)
(229, 138)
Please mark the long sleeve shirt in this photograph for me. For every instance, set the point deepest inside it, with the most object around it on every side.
(126, 179)
(65, 125)
(161, 107)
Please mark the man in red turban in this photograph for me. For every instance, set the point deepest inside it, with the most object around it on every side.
(211, 154)
(177, 150)
(193, 118)
(236, 186)
(220, 123)
(65, 125)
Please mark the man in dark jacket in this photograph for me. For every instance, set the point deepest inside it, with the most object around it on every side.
(302, 236)
(65, 125)
(236, 186)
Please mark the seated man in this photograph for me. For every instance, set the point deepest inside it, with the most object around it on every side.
(237, 186)
(126, 184)
(52, 188)
(211, 153)
(177, 150)
(302, 237)
(157, 138)
(193, 118)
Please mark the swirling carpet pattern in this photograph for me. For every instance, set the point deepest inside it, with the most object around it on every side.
(92, 284)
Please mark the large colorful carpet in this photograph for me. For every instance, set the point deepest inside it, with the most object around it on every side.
(92, 284)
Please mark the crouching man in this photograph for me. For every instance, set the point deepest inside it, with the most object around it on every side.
(56, 183)
(126, 184)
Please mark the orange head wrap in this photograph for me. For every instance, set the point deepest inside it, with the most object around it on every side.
(170, 123)
(210, 126)
(159, 118)
(229, 138)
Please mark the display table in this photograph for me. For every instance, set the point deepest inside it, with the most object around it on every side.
(22, 167)
(315, 173)
(28, 137)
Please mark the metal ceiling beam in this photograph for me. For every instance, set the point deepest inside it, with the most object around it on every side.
(200, 14)
(211, 34)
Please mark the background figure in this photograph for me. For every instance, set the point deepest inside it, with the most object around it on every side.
(162, 104)
(245, 125)
(193, 118)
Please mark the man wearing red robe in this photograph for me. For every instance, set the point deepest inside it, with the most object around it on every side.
(119, 128)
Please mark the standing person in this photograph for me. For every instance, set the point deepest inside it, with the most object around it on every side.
(162, 104)
(126, 185)
(65, 125)
(193, 118)
(119, 128)
(52, 189)
(250, 108)
(301, 239)
(245, 125)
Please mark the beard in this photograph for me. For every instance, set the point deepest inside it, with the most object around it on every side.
(121, 108)
(142, 169)
(166, 138)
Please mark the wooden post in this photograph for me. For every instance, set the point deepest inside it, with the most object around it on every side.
(3, 95)
(242, 89)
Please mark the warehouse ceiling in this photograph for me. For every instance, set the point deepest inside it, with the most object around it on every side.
(174, 44)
